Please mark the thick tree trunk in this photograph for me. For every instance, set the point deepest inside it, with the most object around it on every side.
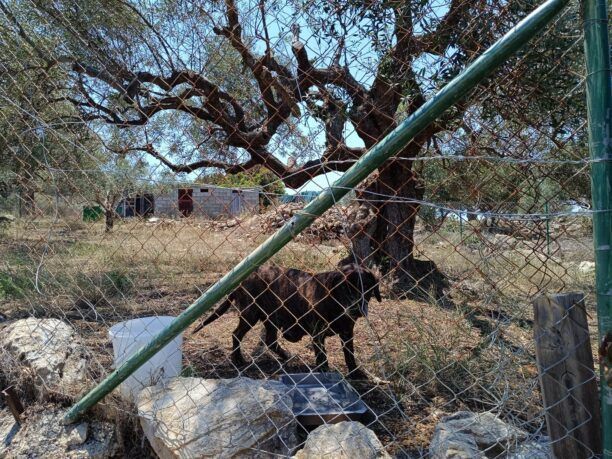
(382, 232)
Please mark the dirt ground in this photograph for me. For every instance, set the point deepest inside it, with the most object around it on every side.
(476, 352)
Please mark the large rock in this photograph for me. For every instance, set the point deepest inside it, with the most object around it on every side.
(226, 418)
(466, 434)
(43, 435)
(347, 439)
(49, 348)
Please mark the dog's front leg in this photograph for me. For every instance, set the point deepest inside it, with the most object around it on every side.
(318, 342)
(271, 340)
(349, 355)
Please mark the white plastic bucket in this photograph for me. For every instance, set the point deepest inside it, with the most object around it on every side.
(128, 337)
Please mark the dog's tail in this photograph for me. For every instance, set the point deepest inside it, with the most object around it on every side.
(215, 315)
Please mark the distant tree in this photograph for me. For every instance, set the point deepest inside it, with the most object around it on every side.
(105, 179)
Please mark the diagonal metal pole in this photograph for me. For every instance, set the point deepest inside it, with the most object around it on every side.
(599, 109)
(454, 91)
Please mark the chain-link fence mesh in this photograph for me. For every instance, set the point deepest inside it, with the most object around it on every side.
(148, 147)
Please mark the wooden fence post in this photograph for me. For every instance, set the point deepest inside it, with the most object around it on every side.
(567, 376)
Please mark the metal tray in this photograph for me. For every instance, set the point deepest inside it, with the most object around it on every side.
(323, 398)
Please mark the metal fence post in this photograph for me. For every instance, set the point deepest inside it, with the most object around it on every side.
(456, 90)
(599, 107)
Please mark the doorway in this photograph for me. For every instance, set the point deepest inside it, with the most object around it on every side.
(236, 205)
(185, 201)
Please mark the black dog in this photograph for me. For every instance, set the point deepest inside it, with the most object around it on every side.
(298, 304)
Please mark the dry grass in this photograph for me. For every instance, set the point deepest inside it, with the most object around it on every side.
(476, 355)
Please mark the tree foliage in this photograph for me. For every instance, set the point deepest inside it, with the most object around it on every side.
(305, 87)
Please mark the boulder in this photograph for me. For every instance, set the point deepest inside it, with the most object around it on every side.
(456, 436)
(347, 439)
(43, 435)
(229, 418)
(49, 348)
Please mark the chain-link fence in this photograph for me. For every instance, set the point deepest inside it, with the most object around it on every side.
(146, 148)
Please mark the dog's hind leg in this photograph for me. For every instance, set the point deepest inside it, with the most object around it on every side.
(271, 340)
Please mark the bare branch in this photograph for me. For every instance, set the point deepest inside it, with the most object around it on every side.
(309, 76)
(181, 168)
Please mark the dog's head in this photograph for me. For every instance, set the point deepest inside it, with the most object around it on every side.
(362, 283)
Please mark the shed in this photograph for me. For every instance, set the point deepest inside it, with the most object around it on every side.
(139, 205)
(207, 201)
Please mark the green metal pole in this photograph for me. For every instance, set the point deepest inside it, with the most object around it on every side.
(454, 91)
(599, 107)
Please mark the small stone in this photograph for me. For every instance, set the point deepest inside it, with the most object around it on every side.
(76, 435)
(586, 267)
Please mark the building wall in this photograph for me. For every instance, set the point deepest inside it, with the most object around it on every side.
(251, 198)
(209, 201)
(166, 205)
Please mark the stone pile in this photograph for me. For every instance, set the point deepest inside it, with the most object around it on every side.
(42, 434)
(331, 225)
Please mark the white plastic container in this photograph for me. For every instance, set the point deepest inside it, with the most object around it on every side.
(128, 337)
